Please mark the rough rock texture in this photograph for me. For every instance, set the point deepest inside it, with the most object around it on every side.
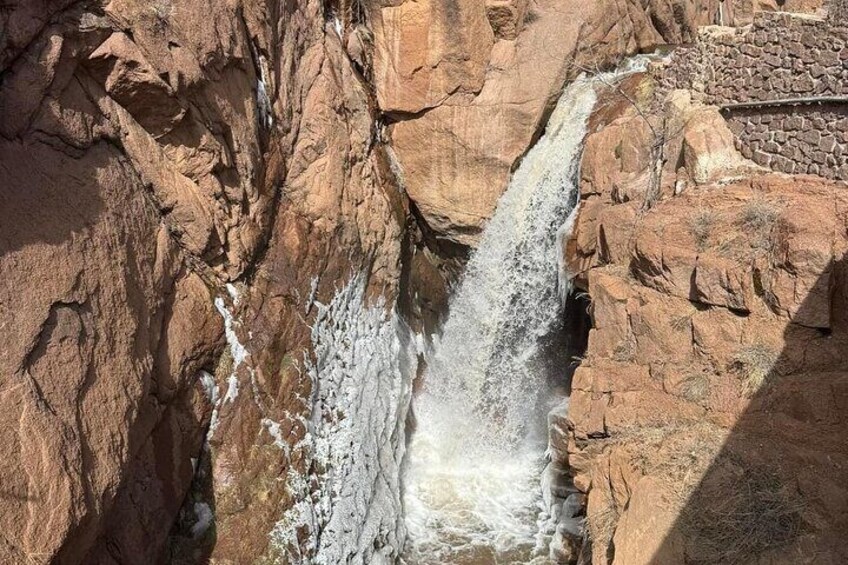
(340, 214)
(184, 185)
(149, 153)
(467, 86)
(780, 57)
(713, 388)
(131, 184)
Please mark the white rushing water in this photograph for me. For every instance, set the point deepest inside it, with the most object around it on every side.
(472, 486)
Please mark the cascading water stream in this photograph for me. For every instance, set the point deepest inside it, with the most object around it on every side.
(472, 482)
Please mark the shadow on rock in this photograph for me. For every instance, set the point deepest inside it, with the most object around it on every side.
(777, 489)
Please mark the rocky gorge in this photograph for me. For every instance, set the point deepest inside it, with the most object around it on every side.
(274, 273)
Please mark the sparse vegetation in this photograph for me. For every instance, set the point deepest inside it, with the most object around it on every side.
(730, 510)
(161, 9)
(695, 387)
(738, 512)
(625, 351)
(701, 225)
(601, 522)
(530, 16)
(682, 323)
(758, 219)
(755, 365)
(762, 288)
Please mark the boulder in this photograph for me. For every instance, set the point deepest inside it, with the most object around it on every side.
(467, 100)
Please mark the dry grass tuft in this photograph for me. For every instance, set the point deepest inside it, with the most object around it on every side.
(755, 365)
(601, 523)
(738, 512)
(701, 225)
(625, 351)
(682, 322)
(695, 387)
(758, 220)
(161, 9)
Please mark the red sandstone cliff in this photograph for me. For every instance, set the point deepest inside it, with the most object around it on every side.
(153, 152)
(707, 417)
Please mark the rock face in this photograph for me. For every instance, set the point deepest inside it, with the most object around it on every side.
(711, 390)
(802, 58)
(467, 86)
(201, 201)
(152, 152)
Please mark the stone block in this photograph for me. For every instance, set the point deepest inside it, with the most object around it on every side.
(772, 49)
(810, 136)
(794, 123)
(771, 147)
(828, 58)
(827, 143)
(762, 158)
(782, 164)
(772, 60)
(802, 84)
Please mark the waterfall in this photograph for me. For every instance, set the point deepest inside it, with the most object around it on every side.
(472, 485)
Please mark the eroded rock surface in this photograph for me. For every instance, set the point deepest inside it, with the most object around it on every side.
(188, 189)
(711, 388)
(151, 153)
(468, 85)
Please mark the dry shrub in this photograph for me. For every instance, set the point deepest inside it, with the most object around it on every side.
(682, 322)
(625, 351)
(601, 522)
(684, 456)
(737, 513)
(678, 452)
(758, 219)
(161, 9)
(754, 364)
(695, 387)
(701, 225)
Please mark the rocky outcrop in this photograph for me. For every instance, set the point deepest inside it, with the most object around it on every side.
(132, 185)
(151, 153)
(201, 200)
(466, 86)
(796, 119)
(340, 215)
(710, 391)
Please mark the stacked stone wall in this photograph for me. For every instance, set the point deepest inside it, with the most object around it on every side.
(790, 73)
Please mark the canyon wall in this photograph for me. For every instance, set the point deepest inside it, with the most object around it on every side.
(707, 414)
(465, 87)
(202, 205)
(178, 179)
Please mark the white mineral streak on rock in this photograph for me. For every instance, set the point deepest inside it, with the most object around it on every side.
(361, 389)
(237, 350)
(205, 516)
